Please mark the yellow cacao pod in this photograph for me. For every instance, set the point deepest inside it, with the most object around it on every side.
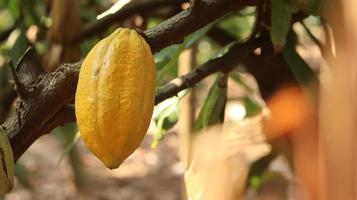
(115, 96)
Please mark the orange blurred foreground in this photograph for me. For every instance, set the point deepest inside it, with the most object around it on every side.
(293, 117)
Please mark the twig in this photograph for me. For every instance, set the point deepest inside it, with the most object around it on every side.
(187, 21)
(226, 63)
(135, 7)
(312, 36)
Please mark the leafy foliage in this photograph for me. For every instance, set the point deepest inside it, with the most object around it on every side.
(165, 117)
(281, 14)
(301, 70)
(212, 111)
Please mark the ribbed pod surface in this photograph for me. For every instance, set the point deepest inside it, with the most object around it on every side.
(115, 96)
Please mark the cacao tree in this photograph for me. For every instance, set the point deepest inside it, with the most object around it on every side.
(43, 45)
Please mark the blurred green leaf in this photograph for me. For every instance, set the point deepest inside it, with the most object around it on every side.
(33, 12)
(239, 24)
(251, 107)
(68, 136)
(14, 8)
(153, 21)
(19, 46)
(315, 6)
(165, 117)
(170, 120)
(223, 50)
(237, 78)
(41, 47)
(88, 15)
(194, 37)
(257, 170)
(171, 65)
(22, 175)
(281, 14)
(88, 44)
(69, 147)
(212, 111)
(163, 57)
(7, 20)
(300, 69)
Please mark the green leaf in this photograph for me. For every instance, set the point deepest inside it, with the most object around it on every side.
(257, 170)
(281, 16)
(165, 117)
(212, 111)
(88, 44)
(237, 78)
(7, 20)
(69, 137)
(22, 175)
(300, 69)
(171, 65)
(19, 47)
(315, 6)
(34, 11)
(14, 8)
(251, 107)
(163, 57)
(153, 21)
(88, 15)
(194, 37)
(239, 24)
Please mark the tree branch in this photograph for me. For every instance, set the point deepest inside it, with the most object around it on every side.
(236, 54)
(136, 7)
(173, 30)
(46, 107)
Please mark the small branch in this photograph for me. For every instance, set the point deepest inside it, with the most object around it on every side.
(226, 63)
(136, 7)
(312, 36)
(173, 30)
